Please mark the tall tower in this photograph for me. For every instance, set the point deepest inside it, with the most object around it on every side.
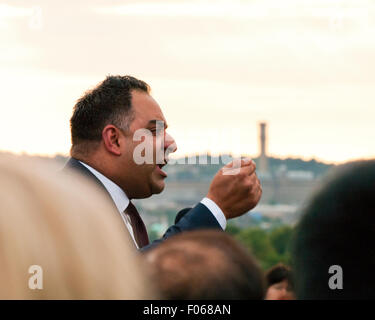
(263, 161)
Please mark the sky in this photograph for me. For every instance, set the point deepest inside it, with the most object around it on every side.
(216, 67)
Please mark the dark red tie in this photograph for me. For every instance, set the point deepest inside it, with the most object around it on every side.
(139, 228)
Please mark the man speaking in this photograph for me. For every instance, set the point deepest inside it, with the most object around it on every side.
(105, 128)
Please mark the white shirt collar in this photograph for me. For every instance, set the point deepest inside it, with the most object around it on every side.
(117, 194)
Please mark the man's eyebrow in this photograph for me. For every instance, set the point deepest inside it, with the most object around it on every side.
(153, 122)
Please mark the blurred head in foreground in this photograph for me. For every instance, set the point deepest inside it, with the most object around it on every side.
(334, 251)
(205, 264)
(279, 283)
(78, 241)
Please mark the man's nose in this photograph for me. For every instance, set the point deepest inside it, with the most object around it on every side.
(170, 143)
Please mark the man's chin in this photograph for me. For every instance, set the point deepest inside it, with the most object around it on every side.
(158, 188)
(157, 183)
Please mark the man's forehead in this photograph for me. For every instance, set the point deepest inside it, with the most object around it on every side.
(147, 110)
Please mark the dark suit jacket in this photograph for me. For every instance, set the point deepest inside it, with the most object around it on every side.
(198, 217)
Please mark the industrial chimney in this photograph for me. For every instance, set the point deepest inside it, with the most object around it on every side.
(263, 161)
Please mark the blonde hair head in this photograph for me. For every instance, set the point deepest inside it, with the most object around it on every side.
(70, 229)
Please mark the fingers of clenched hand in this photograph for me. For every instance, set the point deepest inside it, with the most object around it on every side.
(249, 169)
(244, 167)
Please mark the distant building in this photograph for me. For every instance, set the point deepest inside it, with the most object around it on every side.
(300, 175)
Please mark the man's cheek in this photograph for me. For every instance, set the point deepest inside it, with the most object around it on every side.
(143, 152)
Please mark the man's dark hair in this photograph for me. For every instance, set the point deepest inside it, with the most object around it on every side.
(338, 228)
(205, 264)
(108, 103)
(279, 273)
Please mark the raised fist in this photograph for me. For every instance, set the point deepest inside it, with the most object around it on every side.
(236, 188)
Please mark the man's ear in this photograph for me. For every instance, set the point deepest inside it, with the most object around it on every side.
(111, 139)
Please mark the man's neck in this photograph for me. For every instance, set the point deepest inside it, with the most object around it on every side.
(117, 193)
(104, 166)
(94, 164)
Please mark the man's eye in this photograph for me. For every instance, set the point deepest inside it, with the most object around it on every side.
(157, 131)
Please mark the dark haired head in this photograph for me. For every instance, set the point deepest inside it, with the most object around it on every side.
(338, 229)
(108, 103)
(205, 264)
(279, 273)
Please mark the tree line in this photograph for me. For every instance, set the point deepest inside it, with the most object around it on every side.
(268, 246)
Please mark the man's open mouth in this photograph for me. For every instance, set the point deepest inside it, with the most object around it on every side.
(161, 165)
